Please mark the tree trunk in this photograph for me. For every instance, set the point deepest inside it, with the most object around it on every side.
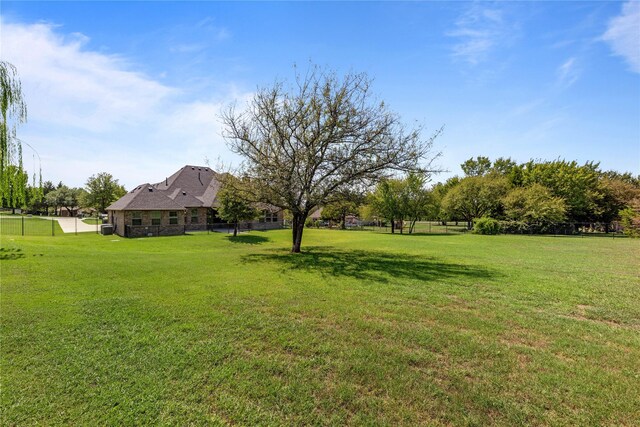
(297, 229)
(393, 226)
(235, 229)
(343, 225)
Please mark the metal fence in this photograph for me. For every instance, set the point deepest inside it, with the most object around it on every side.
(420, 227)
(27, 225)
(577, 229)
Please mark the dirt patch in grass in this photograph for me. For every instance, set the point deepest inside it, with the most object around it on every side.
(520, 337)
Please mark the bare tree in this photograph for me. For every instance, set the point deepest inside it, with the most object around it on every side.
(303, 144)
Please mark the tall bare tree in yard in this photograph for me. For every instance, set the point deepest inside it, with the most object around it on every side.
(306, 143)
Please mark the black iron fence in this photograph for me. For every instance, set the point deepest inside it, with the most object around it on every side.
(28, 225)
(579, 229)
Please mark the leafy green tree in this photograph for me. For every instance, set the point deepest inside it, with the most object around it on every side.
(630, 218)
(534, 204)
(346, 203)
(418, 201)
(578, 185)
(14, 111)
(51, 200)
(15, 195)
(509, 169)
(102, 190)
(618, 194)
(234, 205)
(438, 192)
(47, 187)
(626, 177)
(476, 167)
(474, 197)
(67, 198)
(387, 200)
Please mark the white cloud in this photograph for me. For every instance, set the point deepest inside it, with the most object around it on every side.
(69, 85)
(479, 31)
(91, 112)
(568, 73)
(623, 34)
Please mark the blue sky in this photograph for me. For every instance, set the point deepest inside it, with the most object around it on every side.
(135, 89)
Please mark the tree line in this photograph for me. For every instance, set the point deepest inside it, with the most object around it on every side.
(518, 195)
(100, 191)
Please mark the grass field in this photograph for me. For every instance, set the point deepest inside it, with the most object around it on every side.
(361, 329)
(92, 221)
(17, 225)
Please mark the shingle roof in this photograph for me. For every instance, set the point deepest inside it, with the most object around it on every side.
(189, 187)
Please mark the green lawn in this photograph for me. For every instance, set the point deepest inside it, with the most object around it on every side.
(92, 221)
(17, 225)
(362, 329)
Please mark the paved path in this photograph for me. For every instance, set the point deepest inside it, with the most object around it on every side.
(69, 225)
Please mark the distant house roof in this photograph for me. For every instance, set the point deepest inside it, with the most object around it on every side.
(189, 187)
(316, 214)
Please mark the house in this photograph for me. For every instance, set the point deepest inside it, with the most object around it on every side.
(185, 201)
(77, 212)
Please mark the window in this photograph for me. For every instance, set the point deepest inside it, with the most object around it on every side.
(173, 217)
(194, 216)
(155, 217)
(268, 216)
(136, 218)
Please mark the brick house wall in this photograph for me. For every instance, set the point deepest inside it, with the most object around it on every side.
(200, 224)
(116, 218)
(122, 222)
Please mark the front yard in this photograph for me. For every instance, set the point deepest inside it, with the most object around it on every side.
(362, 328)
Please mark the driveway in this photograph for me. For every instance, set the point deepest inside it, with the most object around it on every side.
(69, 225)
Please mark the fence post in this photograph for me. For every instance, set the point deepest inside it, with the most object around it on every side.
(76, 224)
(22, 226)
(53, 228)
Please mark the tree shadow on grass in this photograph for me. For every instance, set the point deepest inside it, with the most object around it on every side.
(249, 239)
(378, 266)
(9, 254)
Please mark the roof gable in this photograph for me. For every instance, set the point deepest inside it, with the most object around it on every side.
(191, 186)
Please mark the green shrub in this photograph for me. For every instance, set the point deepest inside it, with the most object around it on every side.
(486, 226)
(630, 220)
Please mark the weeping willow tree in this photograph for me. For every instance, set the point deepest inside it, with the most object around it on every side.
(14, 112)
